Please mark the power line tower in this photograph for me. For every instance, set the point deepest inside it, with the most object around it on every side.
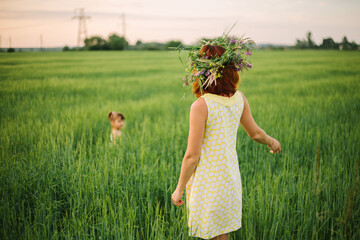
(82, 24)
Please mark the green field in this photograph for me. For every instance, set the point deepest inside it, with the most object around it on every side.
(60, 178)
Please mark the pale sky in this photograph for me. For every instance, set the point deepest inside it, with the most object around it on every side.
(276, 21)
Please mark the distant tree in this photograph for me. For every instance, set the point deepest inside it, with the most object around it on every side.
(354, 46)
(345, 44)
(10, 50)
(310, 42)
(329, 43)
(117, 43)
(172, 44)
(307, 43)
(66, 48)
(138, 43)
(302, 44)
(96, 43)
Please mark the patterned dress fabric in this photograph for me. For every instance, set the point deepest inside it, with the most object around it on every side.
(214, 192)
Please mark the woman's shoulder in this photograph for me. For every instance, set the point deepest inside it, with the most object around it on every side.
(199, 110)
(199, 104)
(241, 94)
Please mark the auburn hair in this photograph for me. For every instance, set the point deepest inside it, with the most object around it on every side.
(229, 80)
(113, 115)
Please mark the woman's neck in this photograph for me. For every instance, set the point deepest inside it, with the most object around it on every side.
(224, 95)
(228, 95)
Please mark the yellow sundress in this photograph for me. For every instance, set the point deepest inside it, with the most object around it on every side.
(214, 192)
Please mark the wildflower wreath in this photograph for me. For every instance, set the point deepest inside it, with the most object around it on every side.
(208, 70)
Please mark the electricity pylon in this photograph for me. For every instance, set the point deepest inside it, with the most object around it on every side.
(82, 24)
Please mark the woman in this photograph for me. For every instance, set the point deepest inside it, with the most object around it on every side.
(210, 170)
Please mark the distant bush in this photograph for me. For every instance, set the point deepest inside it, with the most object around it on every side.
(172, 44)
(10, 50)
(329, 43)
(138, 45)
(66, 48)
(95, 43)
(114, 42)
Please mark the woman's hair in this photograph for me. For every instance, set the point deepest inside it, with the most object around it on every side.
(229, 80)
(114, 115)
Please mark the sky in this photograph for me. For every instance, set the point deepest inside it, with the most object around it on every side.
(30, 23)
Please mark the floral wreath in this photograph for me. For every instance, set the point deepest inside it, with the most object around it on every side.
(208, 70)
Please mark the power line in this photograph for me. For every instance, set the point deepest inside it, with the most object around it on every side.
(82, 24)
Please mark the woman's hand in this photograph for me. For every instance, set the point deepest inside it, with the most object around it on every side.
(176, 197)
(275, 146)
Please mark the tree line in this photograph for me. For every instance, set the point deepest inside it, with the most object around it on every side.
(327, 43)
(116, 42)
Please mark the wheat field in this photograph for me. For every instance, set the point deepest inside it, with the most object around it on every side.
(61, 178)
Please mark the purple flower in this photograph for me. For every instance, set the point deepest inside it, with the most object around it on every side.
(249, 65)
(233, 41)
(192, 64)
(207, 73)
(240, 61)
(248, 52)
(206, 57)
(239, 67)
(201, 73)
(236, 57)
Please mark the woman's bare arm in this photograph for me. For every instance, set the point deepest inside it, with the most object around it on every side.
(254, 131)
(198, 117)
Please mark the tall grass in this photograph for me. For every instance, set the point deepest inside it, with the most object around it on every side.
(61, 178)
